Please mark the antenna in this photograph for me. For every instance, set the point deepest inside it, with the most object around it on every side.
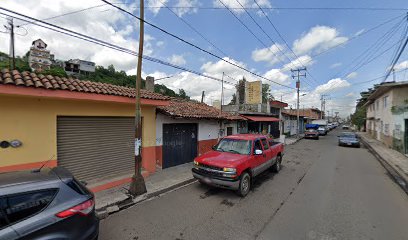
(38, 170)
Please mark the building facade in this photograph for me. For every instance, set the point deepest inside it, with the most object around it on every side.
(75, 67)
(387, 115)
(186, 129)
(84, 126)
(38, 56)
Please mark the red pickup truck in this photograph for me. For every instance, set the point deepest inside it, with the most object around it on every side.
(236, 159)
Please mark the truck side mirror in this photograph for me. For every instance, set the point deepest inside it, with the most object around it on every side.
(214, 147)
(258, 152)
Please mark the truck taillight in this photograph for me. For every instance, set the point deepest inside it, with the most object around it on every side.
(81, 209)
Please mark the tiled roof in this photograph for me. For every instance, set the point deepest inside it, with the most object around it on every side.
(181, 108)
(32, 80)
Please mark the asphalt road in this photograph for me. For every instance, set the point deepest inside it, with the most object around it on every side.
(322, 192)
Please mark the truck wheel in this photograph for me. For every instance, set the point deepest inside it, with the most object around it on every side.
(277, 166)
(244, 185)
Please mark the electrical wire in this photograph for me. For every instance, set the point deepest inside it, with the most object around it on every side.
(376, 46)
(194, 29)
(193, 45)
(104, 44)
(283, 39)
(289, 8)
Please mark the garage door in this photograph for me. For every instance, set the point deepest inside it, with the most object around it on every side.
(96, 147)
(179, 143)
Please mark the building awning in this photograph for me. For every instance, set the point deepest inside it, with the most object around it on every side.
(262, 119)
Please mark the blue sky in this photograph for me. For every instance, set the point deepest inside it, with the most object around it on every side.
(307, 32)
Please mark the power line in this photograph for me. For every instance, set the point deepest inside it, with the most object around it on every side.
(283, 39)
(375, 57)
(288, 8)
(371, 49)
(248, 29)
(269, 37)
(102, 43)
(195, 30)
(357, 36)
(195, 46)
(400, 51)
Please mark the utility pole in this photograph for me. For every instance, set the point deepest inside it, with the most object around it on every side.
(137, 186)
(222, 90)
(322, 105)
(297, 73)
(12, 56)
(202, 96)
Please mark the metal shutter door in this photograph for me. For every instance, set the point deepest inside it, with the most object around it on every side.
(96, 147)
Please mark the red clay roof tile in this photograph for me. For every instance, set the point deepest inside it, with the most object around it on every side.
(181, 108)
(50, 82)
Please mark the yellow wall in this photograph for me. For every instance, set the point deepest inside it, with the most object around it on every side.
(34, 122)
(253, 92)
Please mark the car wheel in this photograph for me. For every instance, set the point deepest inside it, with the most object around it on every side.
(244, 185)
(277, 166)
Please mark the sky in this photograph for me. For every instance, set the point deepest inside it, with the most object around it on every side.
(344, 50)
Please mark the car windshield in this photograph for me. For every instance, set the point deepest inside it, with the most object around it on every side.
(234, 146)
(348, 135)
(311, 130)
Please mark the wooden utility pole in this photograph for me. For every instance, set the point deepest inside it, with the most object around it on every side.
(12, 56)
(202, 96)
(222, 90)
(137, 186)
(298, 75)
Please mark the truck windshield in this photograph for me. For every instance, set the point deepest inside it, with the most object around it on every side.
(234, 146)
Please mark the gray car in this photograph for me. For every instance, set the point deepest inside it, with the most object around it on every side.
(349, 139)
(47, 204)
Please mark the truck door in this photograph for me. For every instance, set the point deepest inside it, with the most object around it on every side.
(267, 150)
(258, 160)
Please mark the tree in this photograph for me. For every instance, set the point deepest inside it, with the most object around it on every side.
(266, 93)
(359, 117)
(182, 94)
(240, 86)
(55, 71)
(233, 100)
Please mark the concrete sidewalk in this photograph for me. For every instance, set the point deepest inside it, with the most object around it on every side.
(293, 140)
(115, 199)
(394, 162)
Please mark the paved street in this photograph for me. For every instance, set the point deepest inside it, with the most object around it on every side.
(322, 192)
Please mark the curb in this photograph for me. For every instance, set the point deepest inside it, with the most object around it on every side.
(395, 175)
(128, 202)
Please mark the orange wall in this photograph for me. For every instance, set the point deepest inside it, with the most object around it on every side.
(205, 145)
(159, 156)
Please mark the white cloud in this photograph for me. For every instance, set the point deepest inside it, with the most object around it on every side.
(236, 7)
(319, 38)
(351, 75)
(332, 85)
(111, 26)
(186, 6)
(401, 66)
(278, 76)
(335, 65)
(273, 54)
(301, 61)
(177, 60)
(156, 5)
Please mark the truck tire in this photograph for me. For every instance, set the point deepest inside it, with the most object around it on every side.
(277, 166)
(244, 185)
